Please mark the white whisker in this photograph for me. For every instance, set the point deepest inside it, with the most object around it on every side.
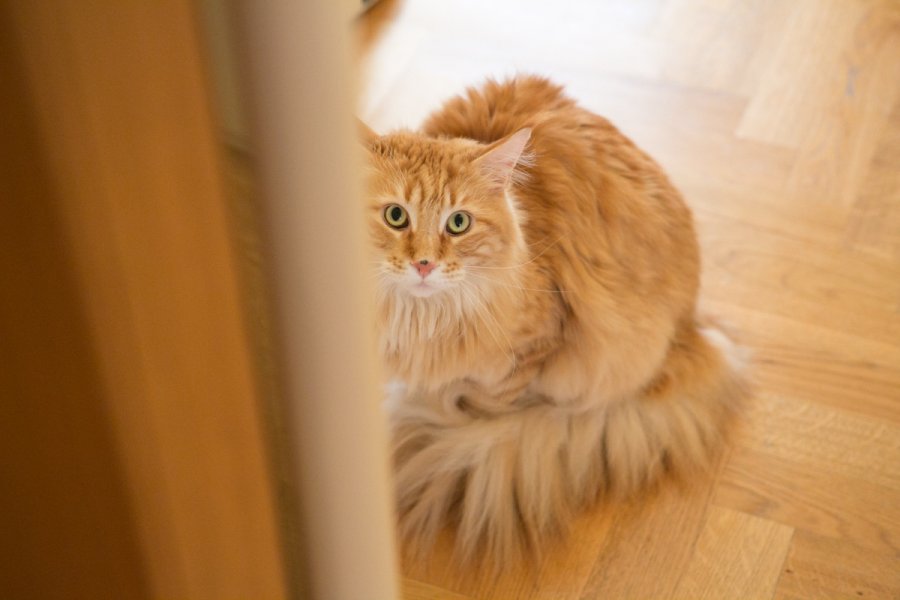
(485, 312)
(517, 287)
(531, 260)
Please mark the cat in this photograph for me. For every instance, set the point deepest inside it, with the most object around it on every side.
(537, 279)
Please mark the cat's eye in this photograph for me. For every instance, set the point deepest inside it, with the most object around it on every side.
(395, 216)
(459, 222)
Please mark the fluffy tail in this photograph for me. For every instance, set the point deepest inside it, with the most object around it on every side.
(508, 481)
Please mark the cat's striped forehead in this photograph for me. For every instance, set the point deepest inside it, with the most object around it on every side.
(426, 172)
(428, 192)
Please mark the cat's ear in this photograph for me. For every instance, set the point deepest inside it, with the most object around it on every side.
(364, 134)
(500, 158)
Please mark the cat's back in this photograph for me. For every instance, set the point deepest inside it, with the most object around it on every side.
(497, 109)
(587, 183)
(578, 154)
(566, 138)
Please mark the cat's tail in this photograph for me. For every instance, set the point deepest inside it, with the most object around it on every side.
(508, 481)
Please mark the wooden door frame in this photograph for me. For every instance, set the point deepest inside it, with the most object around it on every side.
(135, 352)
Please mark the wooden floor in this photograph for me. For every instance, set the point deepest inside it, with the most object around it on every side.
(780, 121)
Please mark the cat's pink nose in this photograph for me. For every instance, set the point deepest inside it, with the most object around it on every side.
(424, 267)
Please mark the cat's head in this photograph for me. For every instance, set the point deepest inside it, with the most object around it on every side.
(440, 216)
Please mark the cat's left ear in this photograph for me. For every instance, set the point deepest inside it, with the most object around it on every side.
(500, 159)
(365, 134)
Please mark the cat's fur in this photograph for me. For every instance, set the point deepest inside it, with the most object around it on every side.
(557, 357)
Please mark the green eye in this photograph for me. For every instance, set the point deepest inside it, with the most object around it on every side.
(395, 216)
(458, 223)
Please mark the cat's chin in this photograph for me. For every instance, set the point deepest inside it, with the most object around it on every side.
(422, 290)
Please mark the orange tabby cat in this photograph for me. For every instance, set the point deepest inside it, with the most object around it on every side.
(537, 283)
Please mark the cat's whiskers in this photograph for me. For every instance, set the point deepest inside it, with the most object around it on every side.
(462, 298)
(381, 275)
(476, 308)
(513, 286)
(529, 261)
(484, 312)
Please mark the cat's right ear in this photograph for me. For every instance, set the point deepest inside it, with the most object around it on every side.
(500, 159)
(364, 134)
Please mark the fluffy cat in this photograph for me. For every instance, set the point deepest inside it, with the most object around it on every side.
(537, 282)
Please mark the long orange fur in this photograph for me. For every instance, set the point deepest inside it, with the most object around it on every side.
(559, 356)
